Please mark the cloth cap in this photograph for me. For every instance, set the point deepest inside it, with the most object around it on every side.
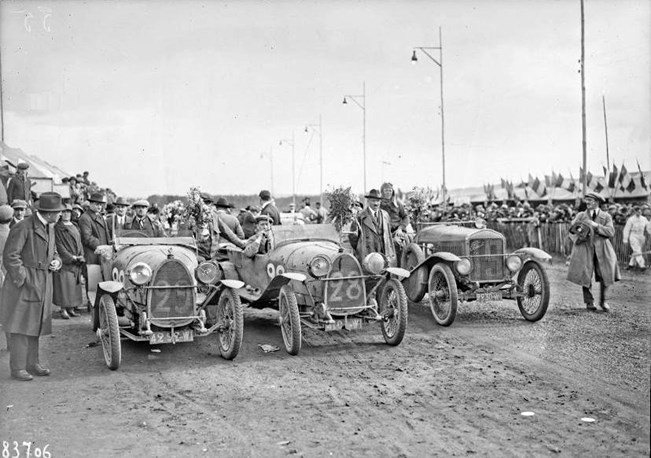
(260, 218)
(19, 204)
(22, 166)
(141, 203)
(6, 213)
(595, 196)
(221, 202)
(49, 202)
(264, 194)
(206, 198)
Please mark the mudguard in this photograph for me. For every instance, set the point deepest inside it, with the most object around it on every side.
(233, 284)
(230, 273)
(536, 253)
(272, 291)
(439, 256)
(398, 272)
(110, 286)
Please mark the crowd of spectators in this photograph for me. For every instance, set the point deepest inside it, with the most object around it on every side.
(81, 188)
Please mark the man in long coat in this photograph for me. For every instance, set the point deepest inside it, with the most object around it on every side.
(30, 257)
(371, 231)
(67, 281)
(593, 253)
(20, 186)
(93, 228)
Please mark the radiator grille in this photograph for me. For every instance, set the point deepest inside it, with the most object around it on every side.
(347, 295)
(172, 302)
(487, 256)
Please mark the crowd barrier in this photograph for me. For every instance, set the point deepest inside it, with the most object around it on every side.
(553, 238)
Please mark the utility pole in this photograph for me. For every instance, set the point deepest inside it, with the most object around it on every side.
(603, 99)
(584, 178)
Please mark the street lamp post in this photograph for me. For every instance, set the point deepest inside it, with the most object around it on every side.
(425, 50)
(292, 143)
(320, 131)
(362, 105)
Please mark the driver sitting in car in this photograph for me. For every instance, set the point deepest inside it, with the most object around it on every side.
(143, 223)
(260, 242)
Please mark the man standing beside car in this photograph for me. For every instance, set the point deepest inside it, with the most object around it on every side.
(593, 253)
(268, 207)
(371, 230)
(94, 233)
(30, 257)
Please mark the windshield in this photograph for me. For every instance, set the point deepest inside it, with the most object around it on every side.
(135, 237)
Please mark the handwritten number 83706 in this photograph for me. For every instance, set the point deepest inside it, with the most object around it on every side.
(15, 450)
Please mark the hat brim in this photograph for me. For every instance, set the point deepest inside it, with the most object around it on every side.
(373, 197)
(51, 210)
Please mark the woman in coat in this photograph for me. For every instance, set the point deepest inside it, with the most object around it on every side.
(593, 253)
(67, 281)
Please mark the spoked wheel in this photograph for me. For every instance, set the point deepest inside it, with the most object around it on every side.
(416, 284)
(393, 306)
(229, 315)
(290, 320)
(443, 297)
(109, 332)
(535, 288)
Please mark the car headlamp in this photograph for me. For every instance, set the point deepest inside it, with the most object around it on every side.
(464, 266)
(513, 263)
(374, 263)
(319, 266)
(140, 273)
(207, 273)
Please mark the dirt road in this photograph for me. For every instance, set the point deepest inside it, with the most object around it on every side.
(444, 391)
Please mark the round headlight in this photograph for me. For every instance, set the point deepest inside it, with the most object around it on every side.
(373, 263)
(207, 273)
(140, 273)
(513, 263)
(464, 266)
(319, 266)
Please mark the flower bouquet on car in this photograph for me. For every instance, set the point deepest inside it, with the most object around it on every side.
(173, 215)
(341, 201)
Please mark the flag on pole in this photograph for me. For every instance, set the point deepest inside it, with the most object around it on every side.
(539, 187)
(624, 178)
(642, 180)
(613, 177)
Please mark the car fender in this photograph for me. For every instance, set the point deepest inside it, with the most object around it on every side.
(536, 253)
(273, 289)
(110, 286)
(439, 256)
(233, 284)
(398, 272)
(230, 272)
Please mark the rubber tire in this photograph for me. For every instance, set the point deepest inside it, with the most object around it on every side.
(229, 304)
(416, 284)
(399, 320)
(444, 271)
(534, 266)
(108, 327)
(289, 319)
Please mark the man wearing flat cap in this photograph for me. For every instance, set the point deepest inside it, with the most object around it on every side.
(371, 230)
(268, 207)
(260, 242)
(19, 207)
(20, 186)
(593, 253)
(30, 257)
(142, 222)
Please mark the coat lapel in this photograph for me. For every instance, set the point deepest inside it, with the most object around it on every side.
(367, 220)
(39, 229)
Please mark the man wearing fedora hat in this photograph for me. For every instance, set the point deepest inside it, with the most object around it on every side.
(142, 222)
(30, 257)
(268, 207)
(20, 186)
(371, 230)
(223, 210)
(93, 228)
(117, 220)
(593, 253)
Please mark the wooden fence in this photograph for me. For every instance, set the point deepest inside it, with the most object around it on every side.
(553, 238)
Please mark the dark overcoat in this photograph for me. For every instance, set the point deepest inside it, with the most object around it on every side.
(26, 298)
(94, 232)
(272, 212)
(150, 227)
(366, 238)
(67, 281)
(20, 187)
(582, 266)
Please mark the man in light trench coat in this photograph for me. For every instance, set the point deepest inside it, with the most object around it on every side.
(30, 257)
(593, 253)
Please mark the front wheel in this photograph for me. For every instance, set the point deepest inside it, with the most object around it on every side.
(393, 308)
(534, 285)
(109, 332)
(290, 320)
(443, 295)
(229, 315)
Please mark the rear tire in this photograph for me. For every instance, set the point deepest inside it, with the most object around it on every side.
(109, 332)
(290, 320)
(229, 312)
(394, 299)
(416, 284)
(533, 280)
(443, 294)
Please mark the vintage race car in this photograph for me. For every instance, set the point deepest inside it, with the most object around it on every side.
(149, 289)
(452, 262)
(313, 281)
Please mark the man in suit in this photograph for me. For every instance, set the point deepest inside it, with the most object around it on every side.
(30, 257)
(223, 211)
(93, 229)
(116, 221)
(593, 253)
(142, 222)
(268, 207)
(20, 186)
(371, 230)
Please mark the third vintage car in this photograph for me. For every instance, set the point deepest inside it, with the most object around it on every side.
(313, 281)
(465, 262)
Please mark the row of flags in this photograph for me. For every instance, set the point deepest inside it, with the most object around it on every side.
(615, 179)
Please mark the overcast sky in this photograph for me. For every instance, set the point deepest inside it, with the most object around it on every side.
(155, 97)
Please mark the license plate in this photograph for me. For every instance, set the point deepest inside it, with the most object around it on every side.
(487, 297)
(184, 335)
(353, 323)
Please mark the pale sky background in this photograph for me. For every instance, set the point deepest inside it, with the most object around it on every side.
(153, 97)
